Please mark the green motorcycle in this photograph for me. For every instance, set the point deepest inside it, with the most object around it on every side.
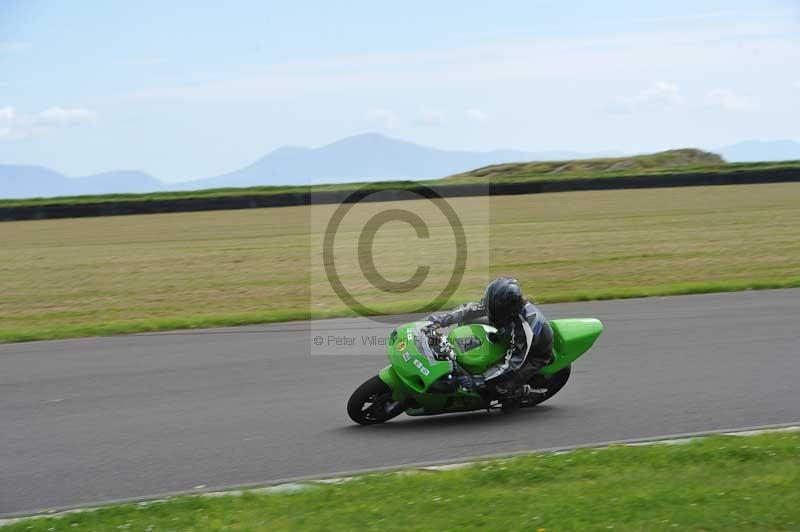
(420, 379)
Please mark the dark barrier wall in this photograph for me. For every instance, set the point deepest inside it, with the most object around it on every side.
(118, 208)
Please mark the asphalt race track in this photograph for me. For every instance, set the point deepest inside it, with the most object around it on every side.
(90, 420)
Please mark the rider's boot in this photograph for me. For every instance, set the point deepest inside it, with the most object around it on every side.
(517, 387)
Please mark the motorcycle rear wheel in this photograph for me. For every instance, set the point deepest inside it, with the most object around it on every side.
(553, 383)
(369, 404)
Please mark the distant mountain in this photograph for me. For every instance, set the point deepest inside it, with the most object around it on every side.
(22, 181)
(367, 157)
(121, 181)
(758, 150)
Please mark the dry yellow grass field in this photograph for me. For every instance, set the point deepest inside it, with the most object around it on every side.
(78, 277)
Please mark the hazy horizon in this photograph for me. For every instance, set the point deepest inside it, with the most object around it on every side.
(194, 90)
(745, 151)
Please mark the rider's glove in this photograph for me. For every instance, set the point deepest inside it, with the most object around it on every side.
(440, 320)
(433, 318)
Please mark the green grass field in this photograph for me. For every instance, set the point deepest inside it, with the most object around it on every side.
(670, 162)
(721, 483)
(94, 276)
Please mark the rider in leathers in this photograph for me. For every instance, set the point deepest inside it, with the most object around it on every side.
(520, 324)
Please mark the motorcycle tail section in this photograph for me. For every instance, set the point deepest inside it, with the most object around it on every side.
(571, 339)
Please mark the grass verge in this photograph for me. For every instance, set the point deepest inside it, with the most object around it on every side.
(261, 318)
(715, 483)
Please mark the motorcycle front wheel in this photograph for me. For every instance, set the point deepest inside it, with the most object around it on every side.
(372, 403)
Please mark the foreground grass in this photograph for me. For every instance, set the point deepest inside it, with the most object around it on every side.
(719, 483)
(95, 276)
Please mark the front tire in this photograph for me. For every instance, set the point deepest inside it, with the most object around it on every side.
(372, 403)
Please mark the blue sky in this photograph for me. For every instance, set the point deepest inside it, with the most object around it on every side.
(193, 89)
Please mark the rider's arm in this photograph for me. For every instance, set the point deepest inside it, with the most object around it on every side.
(519, 343)
(461, 314)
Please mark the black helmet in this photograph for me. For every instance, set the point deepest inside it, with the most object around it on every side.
(503, 300)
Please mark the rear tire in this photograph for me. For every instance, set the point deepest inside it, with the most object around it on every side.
(553, 383)
(370, 403)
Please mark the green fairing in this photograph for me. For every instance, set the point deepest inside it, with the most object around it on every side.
(412, 371)
(478, 359)
(571, 339)
(416, 371)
